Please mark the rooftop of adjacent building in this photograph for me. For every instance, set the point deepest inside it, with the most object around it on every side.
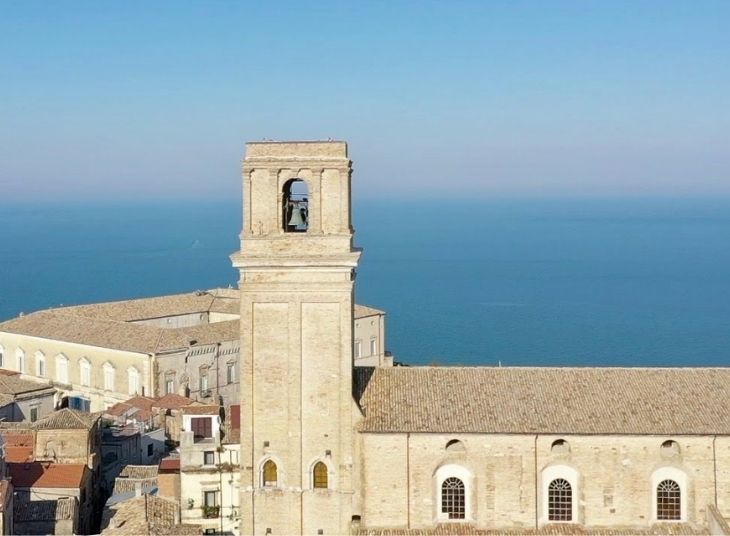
(143, 408)
(61, 419)
(143, 514)
(134, 480)
(47, 475)
(140, 325)
(43, 510)
(12, 387)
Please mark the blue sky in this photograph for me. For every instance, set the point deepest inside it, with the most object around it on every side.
(122, 100)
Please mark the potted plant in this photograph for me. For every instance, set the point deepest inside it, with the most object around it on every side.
(210, 511)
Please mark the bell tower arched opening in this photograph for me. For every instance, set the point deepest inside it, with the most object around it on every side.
(295, 198)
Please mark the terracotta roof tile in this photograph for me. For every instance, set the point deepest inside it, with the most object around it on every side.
(513, 400)
(139, 407)
(169, 464)
(47, 475)
(18, 445)
(202, 410)
(172, 401)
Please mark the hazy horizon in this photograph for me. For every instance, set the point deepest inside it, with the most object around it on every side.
(436, 100)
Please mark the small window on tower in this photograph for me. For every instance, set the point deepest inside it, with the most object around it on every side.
(295, 206)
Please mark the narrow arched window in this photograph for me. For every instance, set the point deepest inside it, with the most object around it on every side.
(62, 368)
(271, 474)
(319, 476)
(668, 501)
(132, 381)
(295, 206)
(85, 372)
(40, 364)
(560, 500)
(108, 376)
(20, 360)
(453, 498)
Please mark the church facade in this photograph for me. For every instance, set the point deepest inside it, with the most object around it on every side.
(331, 448)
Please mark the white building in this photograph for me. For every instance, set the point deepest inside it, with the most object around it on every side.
(209, 471)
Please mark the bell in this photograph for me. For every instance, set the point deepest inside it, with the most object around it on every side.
(298, 216)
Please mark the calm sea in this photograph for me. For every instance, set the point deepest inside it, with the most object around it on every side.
(521, 282)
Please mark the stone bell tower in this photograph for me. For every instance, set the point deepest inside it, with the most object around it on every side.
(297, 268)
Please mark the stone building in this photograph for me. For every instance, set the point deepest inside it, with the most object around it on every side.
(330, 448)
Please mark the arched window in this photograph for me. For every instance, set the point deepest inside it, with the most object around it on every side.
(61, 368)
(295, 206)
(560, 500)
(108, 376)
(455, 446)
(20, 360)
(85, 372)
(40, 364)
(453, 498)
(271, 474)
(133, 380)
(669, 449)
(560, 446)
(668, 501)
(319, 476)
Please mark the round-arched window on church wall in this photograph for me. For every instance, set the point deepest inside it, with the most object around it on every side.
(670, 449)
(560, 446)
(454, 446)
(295, 206)
(453, 498)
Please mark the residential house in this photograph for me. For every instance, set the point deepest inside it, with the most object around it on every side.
(209, 469)
(24, 400)
(6, 494)
(54, 458)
